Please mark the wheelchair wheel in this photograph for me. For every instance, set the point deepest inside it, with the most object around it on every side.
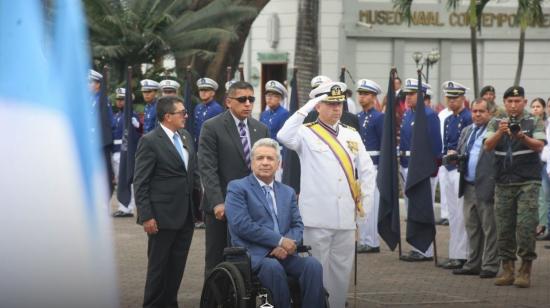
(224, 288)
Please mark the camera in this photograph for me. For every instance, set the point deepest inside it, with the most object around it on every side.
(455, 159)
(513, 125)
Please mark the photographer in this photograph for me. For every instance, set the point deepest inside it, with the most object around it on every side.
(477, 185)
(517, 141)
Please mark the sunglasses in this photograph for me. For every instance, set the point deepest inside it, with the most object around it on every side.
(243, 99)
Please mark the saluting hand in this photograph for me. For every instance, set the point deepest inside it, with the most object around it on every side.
(150, 226)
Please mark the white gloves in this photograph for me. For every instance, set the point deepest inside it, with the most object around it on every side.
(135, 122)
(311, 104)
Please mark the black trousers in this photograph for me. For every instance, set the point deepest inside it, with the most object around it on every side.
(216, 240)
(167, 254)
(109, 168)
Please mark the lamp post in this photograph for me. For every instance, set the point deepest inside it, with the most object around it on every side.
(429, 60)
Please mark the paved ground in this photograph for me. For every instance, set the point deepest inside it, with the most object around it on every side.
(383, 280)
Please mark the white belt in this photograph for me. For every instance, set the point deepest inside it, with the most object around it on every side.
(405, 153)
(118, 141)
(373, 153)
(514, 153)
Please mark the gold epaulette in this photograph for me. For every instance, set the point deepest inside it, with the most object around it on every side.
(347, 126)
(310, 124)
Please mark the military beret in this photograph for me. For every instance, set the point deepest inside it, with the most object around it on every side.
(486, 89)
(317, 80)
(169, 84)
(366, 85)
(207, 83)
(93, 75)
(277, 87)
(334, 91)
(120, 93)
(149, 85)
(514, 91)
(453, 89)
(411, 85)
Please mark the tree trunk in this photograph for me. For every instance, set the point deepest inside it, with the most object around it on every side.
(473, 47)
(521, 54)
(306, 55)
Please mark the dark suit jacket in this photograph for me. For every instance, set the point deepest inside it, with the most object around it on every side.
(249, 218)
(485, 173)
(221, 156)
(163, 187)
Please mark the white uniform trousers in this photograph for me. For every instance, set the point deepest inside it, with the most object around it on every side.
(334, 249)
(443, 178)
(404, 172)
(458, 241)
(368, 225)
(115, 162)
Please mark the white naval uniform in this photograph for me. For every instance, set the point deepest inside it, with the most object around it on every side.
(443, 173)
(368, 225)
(326, 204)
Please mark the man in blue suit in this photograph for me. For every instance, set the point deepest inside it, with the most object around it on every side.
(263, 216)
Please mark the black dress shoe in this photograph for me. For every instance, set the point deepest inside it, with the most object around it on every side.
(442, 222)
(544, 237)
(415, 256)
(487, 274)
(453, 264)
(367, 249)
(465, 271)
(119, 214)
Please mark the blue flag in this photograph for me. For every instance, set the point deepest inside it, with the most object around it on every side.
(127, 148)
(388, 214)
(291, 161)
(60, 251)
(420, 214)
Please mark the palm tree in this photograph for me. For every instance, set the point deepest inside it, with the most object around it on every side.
(133, 32)
(306, 56)
(529, 13)
(475, 10)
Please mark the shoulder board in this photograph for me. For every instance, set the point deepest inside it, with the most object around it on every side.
(310, 124)
(347, 126)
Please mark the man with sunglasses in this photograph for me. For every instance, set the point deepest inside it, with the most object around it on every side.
(165, 176)
(224, 155)
(331, 196)
(208, 108)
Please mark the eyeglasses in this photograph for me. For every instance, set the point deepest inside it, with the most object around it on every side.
(243, 99)
(182, 113)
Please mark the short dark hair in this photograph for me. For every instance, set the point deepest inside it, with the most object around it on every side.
(166, 104)
(239, 85)
(480, 100)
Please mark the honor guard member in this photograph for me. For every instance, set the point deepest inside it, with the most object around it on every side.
(102, 129)
(347, 118)
(371, 125)
(208, 108)
(330, 198)
(517, 140)
(149, 90)
(410, 88)
(443, 173)
(454, 124)
(169, 87)
(118, 131)
(275, 115)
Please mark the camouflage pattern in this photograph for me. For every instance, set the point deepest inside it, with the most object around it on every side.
(516, 210)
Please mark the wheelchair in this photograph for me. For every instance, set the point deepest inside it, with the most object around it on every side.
(232, 284)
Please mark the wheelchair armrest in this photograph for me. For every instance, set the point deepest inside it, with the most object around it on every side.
(235, 251)
(303, 248)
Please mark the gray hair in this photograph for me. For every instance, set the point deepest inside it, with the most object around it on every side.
(266, 142)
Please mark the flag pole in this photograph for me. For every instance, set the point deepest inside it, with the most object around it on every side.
(241, 71)
(394, 115)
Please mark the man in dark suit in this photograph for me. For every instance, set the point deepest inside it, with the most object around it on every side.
(164, 180)
(263, 216)
(477, 185)
(224, 155)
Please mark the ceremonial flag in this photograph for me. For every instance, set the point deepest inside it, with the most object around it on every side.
(58, 250)
(291, 161)
(420, 214)
(388, 215)
(127, 148)
(343, 79)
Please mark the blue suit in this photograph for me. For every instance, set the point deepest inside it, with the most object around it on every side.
(202, 113)
(371, 125)
(150, 117)
(251, 225)
(434, 133)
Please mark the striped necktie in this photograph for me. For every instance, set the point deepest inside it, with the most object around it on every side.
(244, 141)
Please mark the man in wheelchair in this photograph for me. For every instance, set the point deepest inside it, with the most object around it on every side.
(263, 216)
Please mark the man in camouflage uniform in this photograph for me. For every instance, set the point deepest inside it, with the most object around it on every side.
(517, 140)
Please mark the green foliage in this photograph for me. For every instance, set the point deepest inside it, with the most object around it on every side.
(529, 13)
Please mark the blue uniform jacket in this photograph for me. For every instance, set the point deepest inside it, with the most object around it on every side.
(118, 128)
(274, 120)
(150, 117)
(249, 219)
(453, 125)
(202, 113)
(434, 133)
(371, 126)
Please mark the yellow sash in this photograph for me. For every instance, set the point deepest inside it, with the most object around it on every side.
(345, 162)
